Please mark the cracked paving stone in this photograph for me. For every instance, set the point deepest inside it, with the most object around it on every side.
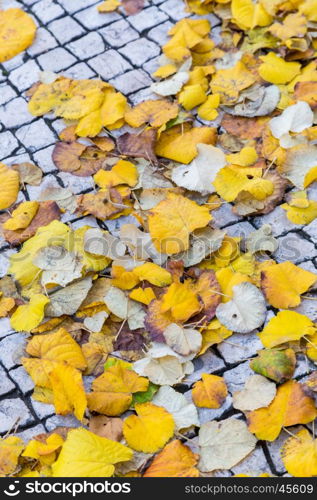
(12, 410)
(60, 421)
(29, 434)
(109, 64)
(235, 378)
(295, 248)
(208, 414)
(207, 363)
(88, 46)
(11, 349)
(6, 385)
(255, 462)
(22, 380)
(240, 347)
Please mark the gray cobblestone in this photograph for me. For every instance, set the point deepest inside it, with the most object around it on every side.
(11, 350)
(148, 18)
(92, 19)
(8, 144)
(47, 10)
(6, 93)
(56, 60)
(74, 183)
(235, 378)
(255, 462)
(295, 248)
(60, 421)
(35, 136)
(13, 411)
(119, 33)
(239, 347)
(43, 41)
(278, 221)
(80, 70)
(140, 51)
(159, 34)
(224, 216)
(24, 76)
(15, 113)
(65, 29)
(6, 385)
(43, 410)
(22, 380)
(29, 434)
(43, 159)
(207, 363)
(88, 46)
(109, 64)
(75, 6)
(311, 230)
(131, 81)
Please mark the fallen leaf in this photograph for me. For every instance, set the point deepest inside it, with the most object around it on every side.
(284, 283)
(9, 179)
(258, 392)
(150, 429)
(69, 299)
(17, 32)
(184, 341)
(275, 364)
(224, 444)
(289, 407)
(299, 454)
(139, 145)
(245, 312)
(110, 428)
(284, 327)
(11, 448)
(154, 113)
(87, 455)
(175, 460)
(68, 391)
(210, 392)
(30, 315)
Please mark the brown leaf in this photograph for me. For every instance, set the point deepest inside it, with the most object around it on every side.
(29, 173)
(98, 204)
(244, 128)
(47, 212)
(110, 428)
(132, 7)
(139, 145)
(68, 134)
(77, 158)
(306, 91)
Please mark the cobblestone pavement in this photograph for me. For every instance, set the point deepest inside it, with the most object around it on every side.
(77, 41)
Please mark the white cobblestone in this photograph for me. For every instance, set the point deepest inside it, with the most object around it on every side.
(13, 411)
(131, 81)
(8, 144)
(24, 76)
(159, 34)
(65, 29)
(22, 380)
(47, 10)
(109, 64)
(12, 349)
(15, 113)
(140, 51)
(88, 46)
(6, 93)
(44, 41)
(119, 33)
(240, 347)
(148, 18)
(92, 19)
(295, 248)
(56, 60)
(35, 136)
(6, 385)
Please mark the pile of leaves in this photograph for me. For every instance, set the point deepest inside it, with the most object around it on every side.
(133, 301)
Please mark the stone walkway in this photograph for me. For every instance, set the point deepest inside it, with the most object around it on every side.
(75, 40)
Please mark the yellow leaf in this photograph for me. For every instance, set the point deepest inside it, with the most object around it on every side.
(229, 82)
(113, 110)
(207, 110)
(210, 392)
(172, 221)
(275, 70)
(90, 125)
(44, 451)
(180, 301)
(22, 216)
(248, 14)
(109, 6)
(58, 346)
(191, 96)
(308, 8)
(123, 172)
(186, 34)
(301, 215)
(299, 454)
(214, 333)
(153, 273)
(112, 391)
(150, 429)
(29, 316)
(155, 113)
(294, 25)
(17, 31)
(6, 304)
(284, 327)
(9, 181)
(165, 71)
(175, 460)
(284, 283)
(68, 391)
(123, 279)
(21, 264)
(179, 143)
(85, 454)
(230, 181)
(10, 450)
(245, 158)
(143, 295)
(290, 406)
